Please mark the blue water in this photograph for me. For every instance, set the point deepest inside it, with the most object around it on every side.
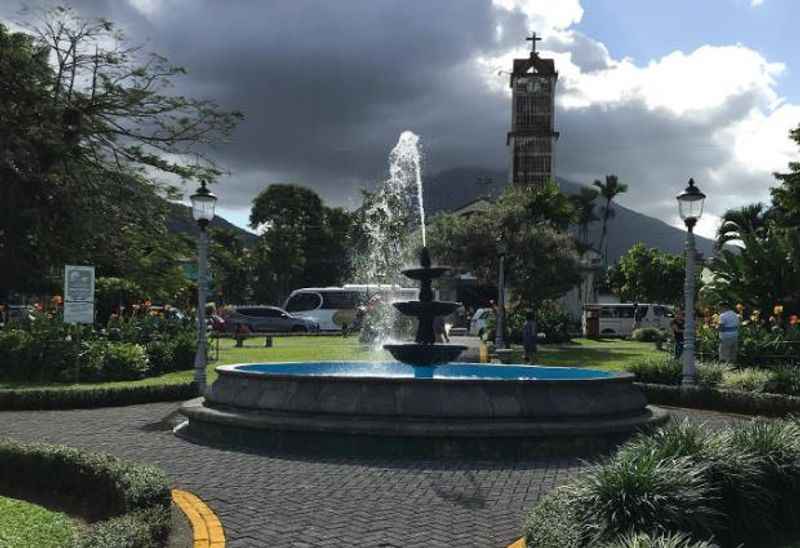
(396, 370)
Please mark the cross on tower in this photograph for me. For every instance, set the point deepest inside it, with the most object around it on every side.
(533, 39)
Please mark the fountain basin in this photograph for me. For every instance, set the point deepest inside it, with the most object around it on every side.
(399, 408)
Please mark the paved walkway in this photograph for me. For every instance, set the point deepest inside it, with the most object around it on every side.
(269, 500)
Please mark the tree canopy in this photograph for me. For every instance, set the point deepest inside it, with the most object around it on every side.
(648, 275)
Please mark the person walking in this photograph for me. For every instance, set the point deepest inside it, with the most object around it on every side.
(728, 334)
(678, 326)
(529, 336)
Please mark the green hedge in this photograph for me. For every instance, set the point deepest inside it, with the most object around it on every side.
(131, 501)
(83, 398)
(732, 401)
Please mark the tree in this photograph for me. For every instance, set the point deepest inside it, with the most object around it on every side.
(231, 270)
(585, 214)
(648, 275)
(608, 190)
(786, 196)
(303, 242)
(541, 262)
(749, 219)
(76, 135)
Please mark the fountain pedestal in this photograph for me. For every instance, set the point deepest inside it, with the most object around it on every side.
(424, 351)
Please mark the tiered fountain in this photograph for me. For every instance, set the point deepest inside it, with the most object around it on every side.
(423, 404)
(424, 351)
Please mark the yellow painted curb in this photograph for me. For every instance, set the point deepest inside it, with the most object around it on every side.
(206, 526)
(518, 544)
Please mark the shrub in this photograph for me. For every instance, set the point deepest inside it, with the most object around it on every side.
(748, 379)
(124, 362)
(160, 356)
(553, 523)
(710, 374)
(784, 380)
(84, 398)
(184, 347)
(649, 334)
(777, 443)
(15, 350)
(640, 491)
(645, 540)
(557, 325)
(132, 500)
(657, 370)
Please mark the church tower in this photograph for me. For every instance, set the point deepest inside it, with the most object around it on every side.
(532, 136)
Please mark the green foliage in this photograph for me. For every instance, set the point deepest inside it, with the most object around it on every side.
(639, 491)
(748, 379)
(608, 190)
(659, 370)
(124, 362)
(646, 540)
(83, 142)
(304, 243)
(758, 344)
(786, 196)
(231, 266)
(111, 293)
(648, 334)
(541, 261)
(552, 523)
(681, 487)
(648, 275)
(784, 380)
(88, 398)
(131, 500)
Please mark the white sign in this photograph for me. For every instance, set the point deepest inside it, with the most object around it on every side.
(78, 294)
(78, 312)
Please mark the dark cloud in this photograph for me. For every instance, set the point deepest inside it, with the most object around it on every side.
(327, 88)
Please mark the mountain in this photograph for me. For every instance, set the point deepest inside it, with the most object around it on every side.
(180, 220)
(453, 188)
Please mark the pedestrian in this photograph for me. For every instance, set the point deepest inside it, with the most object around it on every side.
(728, 334)
(678, 326)
(529, 336)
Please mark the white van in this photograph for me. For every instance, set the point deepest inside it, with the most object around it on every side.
(619, 320)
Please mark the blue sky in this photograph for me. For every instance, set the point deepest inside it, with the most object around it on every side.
(649, 29)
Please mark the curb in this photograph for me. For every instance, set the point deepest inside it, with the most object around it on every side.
(206, 527)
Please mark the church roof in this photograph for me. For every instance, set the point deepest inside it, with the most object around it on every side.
(545, 67)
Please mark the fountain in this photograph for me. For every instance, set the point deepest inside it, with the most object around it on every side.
(424, 403)
(424, 351)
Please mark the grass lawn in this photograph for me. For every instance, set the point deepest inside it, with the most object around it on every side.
(608, 354)
(26, 524)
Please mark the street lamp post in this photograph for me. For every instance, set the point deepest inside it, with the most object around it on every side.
(203, 203)
(500, 328)
(690, 207)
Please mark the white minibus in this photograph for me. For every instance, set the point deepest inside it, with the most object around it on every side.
(620, 319)
(335, 307)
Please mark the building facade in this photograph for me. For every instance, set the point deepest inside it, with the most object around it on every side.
(532, 136)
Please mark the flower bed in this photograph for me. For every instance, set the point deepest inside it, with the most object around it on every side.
(681, 486)
(128, 504)
(46, 349)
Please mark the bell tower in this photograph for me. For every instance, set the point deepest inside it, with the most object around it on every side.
(532, 136)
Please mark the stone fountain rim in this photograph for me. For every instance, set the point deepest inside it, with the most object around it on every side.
(229, 370)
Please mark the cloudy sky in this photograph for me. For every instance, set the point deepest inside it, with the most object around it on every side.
(654, 91)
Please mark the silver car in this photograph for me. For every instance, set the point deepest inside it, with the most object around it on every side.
(268, 318)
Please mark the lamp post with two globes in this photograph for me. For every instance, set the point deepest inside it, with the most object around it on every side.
(690, 207)
(203, 204)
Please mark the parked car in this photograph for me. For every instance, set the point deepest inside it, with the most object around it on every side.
(267, 318)
(479, 321)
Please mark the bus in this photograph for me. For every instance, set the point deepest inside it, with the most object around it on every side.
(618, 319)
(334, 308)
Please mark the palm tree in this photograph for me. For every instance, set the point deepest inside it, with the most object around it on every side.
(751, 219)
(585, 213)
(608, 190)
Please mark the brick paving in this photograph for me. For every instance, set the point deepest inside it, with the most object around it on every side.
(273, 500)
